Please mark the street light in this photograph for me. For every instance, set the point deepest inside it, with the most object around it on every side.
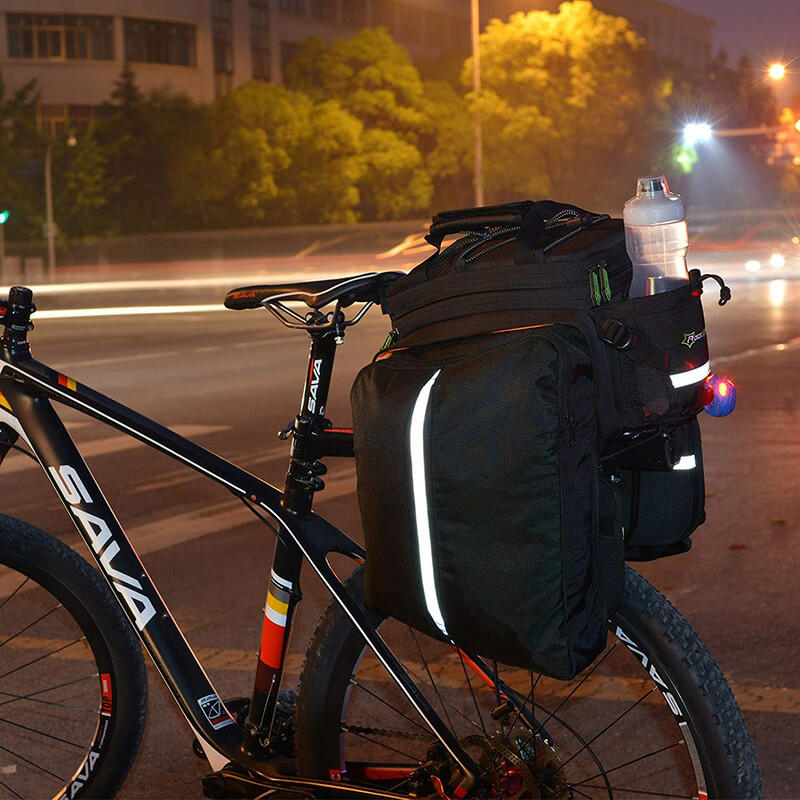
(49, 225)
(4, 215)
(696, 132)
(475, 28)
(776, 71)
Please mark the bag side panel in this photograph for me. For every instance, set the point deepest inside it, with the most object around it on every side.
(382, 399)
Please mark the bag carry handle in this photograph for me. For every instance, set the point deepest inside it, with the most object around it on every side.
(476, 219)
(546, 215)
(532, 218)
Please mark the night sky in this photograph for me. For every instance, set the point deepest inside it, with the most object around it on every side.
(766, 30)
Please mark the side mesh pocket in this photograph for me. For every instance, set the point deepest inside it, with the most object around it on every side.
(658, 353)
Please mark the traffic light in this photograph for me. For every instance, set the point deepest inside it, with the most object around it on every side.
(4, 215)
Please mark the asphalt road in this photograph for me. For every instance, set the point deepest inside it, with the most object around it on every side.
(231, 380)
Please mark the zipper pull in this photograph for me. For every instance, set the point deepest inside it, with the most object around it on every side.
(390, 339)
(599, 284)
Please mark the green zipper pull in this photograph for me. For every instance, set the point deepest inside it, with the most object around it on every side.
(605, 281)
(390, 340)
(594, 289)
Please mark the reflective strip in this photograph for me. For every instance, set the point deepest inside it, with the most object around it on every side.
(680, 379)
(282, 582)
(273, 616)
(417, 442)
(686, 462)
(276, 604)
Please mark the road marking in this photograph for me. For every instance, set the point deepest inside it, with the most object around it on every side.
(109, 445)
(780, 347)
(102, 362)
(322, 243)
(610, 688)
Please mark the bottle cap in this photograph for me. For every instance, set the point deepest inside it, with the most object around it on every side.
(651, 185)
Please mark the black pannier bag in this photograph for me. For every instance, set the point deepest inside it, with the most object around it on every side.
(496, 433)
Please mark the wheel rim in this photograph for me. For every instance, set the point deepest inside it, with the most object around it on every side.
(620, 729)
(56, 691)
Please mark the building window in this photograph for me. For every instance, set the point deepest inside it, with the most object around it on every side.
(259, 39)
(58, 119)
(323, 9)
(288, 52)
(60, 36)
(222, 29)
(152, 41)
(296, 7)
(460, 36)
(354, 12)
(436, 29)
(409, 23)
(383, 13)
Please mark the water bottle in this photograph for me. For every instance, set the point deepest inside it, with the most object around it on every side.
(656, 238)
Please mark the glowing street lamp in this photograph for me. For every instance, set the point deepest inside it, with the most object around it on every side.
(4, 215)
(776, 71)
(696, 132)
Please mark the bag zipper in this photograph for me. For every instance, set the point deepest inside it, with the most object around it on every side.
(599, 284)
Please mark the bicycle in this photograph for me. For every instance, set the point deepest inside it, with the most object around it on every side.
(380, 711)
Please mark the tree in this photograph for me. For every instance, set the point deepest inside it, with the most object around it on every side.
(82, 186)
(263, 154)
(449, 147)
(373, 78)
(140, 137)
(21, 154)
(565, 104)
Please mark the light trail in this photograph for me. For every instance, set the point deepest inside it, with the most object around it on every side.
(231, 281)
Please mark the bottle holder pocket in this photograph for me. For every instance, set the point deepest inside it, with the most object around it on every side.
(658, 356)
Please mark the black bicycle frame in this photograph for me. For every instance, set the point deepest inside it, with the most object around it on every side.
(28, 388)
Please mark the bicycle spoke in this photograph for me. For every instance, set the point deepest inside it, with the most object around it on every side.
(520, 709)
(582, 794)
(434, 686)
(642, 791)
(452, 705)
(583, 680)
(626, 764)
(41, 658)
(14, 592)
(30, 625)
(606, 729)
(18, 697)
(6, 786)
(346, 729)
(31, 763)
(50, 735)
(471, 691)
(363, 688)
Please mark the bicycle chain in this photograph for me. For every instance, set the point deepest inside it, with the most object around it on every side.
(387, 733)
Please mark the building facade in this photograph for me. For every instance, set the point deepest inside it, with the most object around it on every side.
(76, 49)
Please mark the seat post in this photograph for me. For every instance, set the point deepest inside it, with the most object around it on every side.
(302, 479)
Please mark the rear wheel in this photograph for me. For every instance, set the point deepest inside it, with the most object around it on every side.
(653, 716)
(73, 687)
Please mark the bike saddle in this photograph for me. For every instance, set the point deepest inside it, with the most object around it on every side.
(356, 289)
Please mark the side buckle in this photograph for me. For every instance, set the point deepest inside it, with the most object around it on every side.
(616, 334)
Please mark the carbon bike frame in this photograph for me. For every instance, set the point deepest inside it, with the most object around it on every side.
(26, 390)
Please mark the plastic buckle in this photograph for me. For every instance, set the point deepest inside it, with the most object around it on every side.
(616, 334)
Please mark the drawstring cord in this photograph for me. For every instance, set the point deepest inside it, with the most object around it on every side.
(724, 291)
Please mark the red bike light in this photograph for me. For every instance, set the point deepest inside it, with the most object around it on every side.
(720, 397)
